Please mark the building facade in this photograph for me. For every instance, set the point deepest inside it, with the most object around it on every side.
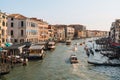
(22, 29)
(3, 29)
(69, 32)
(96, 33)
(51, 32)
(59, 32)
(115, 31)
(80, 30)
(42, 29)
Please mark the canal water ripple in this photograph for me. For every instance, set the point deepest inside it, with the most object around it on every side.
(56, 66)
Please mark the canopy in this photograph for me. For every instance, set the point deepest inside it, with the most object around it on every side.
(7, 44)
(1, 49)
(51, 43)
(36, 47)
(115, 44)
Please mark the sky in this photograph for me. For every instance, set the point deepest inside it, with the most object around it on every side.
(94, 14)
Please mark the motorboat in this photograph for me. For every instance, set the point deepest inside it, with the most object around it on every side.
(81, 44)
(73, 59)
(15, 59)
(68, 42)
(51, 45)
(75, 48)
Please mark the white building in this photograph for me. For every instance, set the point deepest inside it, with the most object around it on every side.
(22, 29)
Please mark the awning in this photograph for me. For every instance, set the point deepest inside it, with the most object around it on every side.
(15, 47)
(115, 44)
(8, 44)
(36, 47)
(51, 43)
(1, 49)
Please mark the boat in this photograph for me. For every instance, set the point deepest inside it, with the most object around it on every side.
(4, 69)
(73, 59)
(15, 59)
(36, 52)
(104, 63)
(4, 72)
(99, 59)
(81, 44)
(75, 48)
(51, 45)
(68, 42)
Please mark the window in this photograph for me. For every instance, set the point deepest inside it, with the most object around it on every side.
(3, 32)
(21, 32)
(22, 40)
(3, 17)
(12, 25)
(15, 40)
(3, 40)
(12, 19)
(3, 23)
(22, 23)
(32, 24)
(11, 32)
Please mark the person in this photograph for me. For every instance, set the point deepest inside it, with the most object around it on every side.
(24, 62)
(91, 51)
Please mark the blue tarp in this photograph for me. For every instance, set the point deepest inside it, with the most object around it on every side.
(1, 49)
(7, 44)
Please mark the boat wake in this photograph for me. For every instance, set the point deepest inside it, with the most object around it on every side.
(76, 71)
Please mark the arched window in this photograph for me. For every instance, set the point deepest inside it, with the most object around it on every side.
(3, 23)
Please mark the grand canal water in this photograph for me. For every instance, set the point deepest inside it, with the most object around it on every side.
(56, 66)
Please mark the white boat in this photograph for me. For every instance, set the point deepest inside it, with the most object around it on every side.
(68, 42)
(99, 59)
(75, 48)
(73, 59)
(51, 45)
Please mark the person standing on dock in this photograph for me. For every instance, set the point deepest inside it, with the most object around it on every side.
(24, 59)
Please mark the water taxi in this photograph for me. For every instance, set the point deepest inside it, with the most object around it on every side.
(68, 42)
(51, 45)
(73, 59)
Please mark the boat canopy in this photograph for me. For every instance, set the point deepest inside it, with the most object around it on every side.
(36, 47)
(51, 43)
(18, 46)
(116, 45)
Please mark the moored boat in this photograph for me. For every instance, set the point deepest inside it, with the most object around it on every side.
(36, 52)
(4, 69)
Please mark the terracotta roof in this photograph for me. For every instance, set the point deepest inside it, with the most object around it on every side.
(39, 20)
(17, 16)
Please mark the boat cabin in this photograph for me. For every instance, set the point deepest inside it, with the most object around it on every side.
(36, 52)
(73, 59)
(51, 45)
(68, 42)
